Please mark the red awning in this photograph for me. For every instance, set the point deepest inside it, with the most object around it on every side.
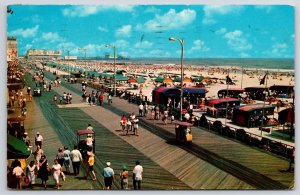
(84, 131)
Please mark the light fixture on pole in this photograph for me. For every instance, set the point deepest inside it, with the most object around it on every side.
(181, 83)
(114, 48)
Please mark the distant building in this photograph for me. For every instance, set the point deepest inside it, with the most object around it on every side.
(70, 58)
(43, 54)
(11, 48)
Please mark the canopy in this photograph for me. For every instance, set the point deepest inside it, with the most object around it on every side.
(224, 100)
(84, 131)
(194, 90)
(198, 79)
(168, 80)
(252, 107)
(287, 115)
(132, 80)
(16, 149)
(159, 79)
(187, 80)
(16, 119)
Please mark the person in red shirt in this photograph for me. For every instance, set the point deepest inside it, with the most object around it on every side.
(101, 97)
(123, 122)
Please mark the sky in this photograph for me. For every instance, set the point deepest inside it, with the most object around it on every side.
(208, 31)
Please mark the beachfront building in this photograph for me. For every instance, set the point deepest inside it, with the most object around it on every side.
(43, 54)
(11, 49)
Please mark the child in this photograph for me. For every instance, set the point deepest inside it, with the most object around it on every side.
(124, 176)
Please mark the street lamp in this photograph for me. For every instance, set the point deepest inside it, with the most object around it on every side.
(114, 48)
(181, 83)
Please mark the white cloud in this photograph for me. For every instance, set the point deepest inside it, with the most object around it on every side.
(143, 44)
(121, 44)
(86, 10)
(102, 29)
(210, 11)
(124, 31)
(266, 8)
(198, 46)
(221, 31)
(244, 55)
(51, 37)
(237, 41)
(28, 32)
(278, 50)
(152, 9)
(170, 20)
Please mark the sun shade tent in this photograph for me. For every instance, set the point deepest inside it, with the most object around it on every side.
(286, 116)
(231, 92)
(246, 115)
(168, 80)
(159, 79)
(256, 93)
(282, 90)
(222, 103)
(198, 79)
(160, 95)
(16, 148)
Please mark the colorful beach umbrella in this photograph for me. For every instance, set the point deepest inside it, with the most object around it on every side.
(132, 80)
(187, 80)
(168, 80)
(159, 79)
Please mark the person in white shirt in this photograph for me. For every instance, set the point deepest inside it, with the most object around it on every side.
(141, 108)
(137, 175)
(38, 139)
(90, 127)
(89, 141)
(76, 159)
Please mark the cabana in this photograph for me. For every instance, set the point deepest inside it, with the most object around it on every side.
(217, 107)
(230, 92)
(256, 93)
(252, 115)
(282, 90)
(160, 95)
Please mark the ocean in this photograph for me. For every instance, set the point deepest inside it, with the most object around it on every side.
(259, 63)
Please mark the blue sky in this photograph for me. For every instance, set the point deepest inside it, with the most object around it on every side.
(237, 31)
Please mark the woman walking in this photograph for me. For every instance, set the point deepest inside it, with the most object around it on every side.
(44, 170)
(57, 172)
(31, 171)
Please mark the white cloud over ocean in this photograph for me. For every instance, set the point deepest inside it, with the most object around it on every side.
(237, 41)
(211, 11)
(169, 20)
(87, 10)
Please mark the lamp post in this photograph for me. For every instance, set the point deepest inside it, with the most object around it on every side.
(114, 48)
(181, 83)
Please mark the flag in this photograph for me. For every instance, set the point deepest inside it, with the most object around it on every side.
(228, 80)
(262, 81)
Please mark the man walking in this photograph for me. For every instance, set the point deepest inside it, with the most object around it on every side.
(109, 176)
(137, 175)
(38, 139)
(76, 159)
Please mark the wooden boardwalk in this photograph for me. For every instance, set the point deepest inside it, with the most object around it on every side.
(264, 170)
(213, 162)
(109, 147)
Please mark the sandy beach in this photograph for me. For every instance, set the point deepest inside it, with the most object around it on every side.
(250, 78)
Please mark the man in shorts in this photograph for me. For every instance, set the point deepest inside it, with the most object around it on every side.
(109, 176)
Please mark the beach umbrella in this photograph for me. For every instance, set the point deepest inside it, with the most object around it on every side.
(206, 80)
(141, 80)
(177, 79)
(198, 79)
(187, 80)
(168, 80)
(132, 80)
(159, 79)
